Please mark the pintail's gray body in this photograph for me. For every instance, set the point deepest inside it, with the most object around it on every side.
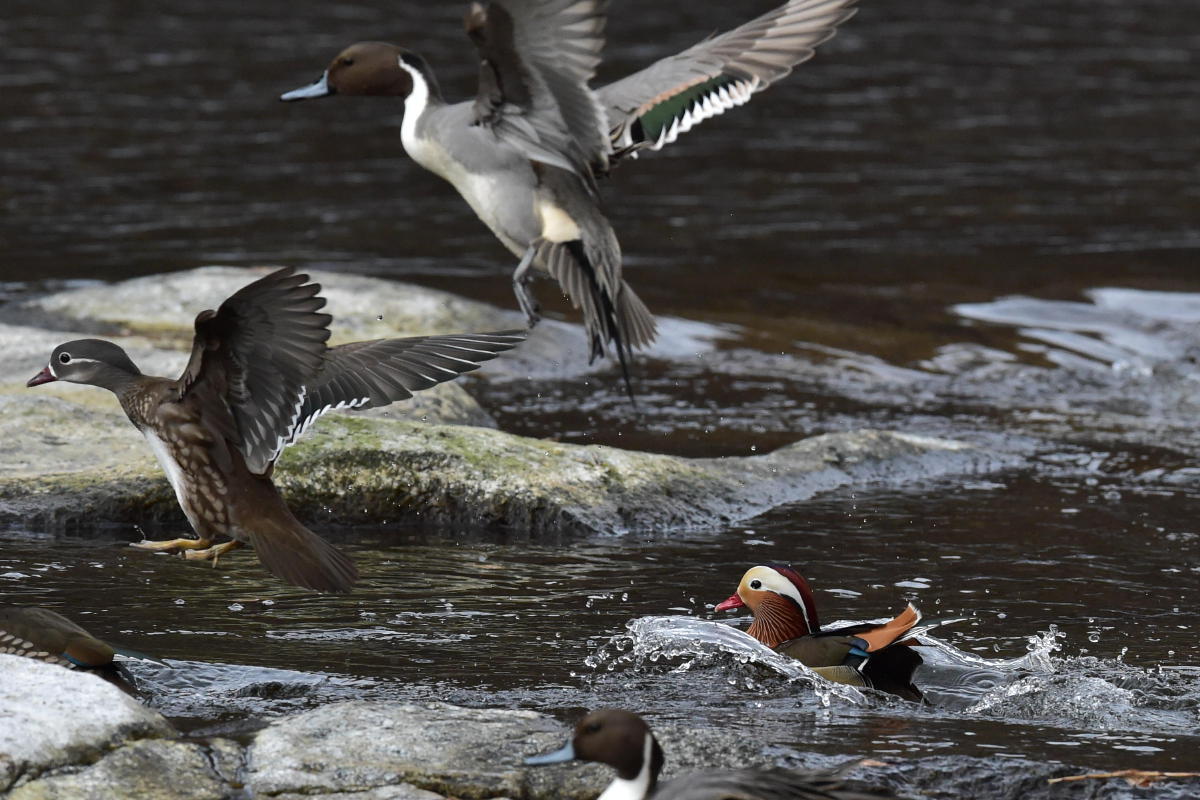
(526, 152)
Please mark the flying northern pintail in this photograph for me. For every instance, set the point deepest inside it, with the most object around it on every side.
(260, 373)
(877, 655)
(526, 152)
(624, 741)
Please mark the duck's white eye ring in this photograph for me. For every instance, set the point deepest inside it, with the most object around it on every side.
(756, 584)
(64, 358)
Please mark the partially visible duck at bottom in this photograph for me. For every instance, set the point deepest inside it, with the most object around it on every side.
(48, 636)
(875, 655)
(624, 741)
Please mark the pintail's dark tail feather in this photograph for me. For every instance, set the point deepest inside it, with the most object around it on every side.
(622, 322)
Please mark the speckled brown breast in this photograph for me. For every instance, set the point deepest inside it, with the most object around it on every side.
(186, 450)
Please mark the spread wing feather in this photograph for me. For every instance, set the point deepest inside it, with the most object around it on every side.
(378, 372)
(252, 358)
(536, 59)
(650, 108)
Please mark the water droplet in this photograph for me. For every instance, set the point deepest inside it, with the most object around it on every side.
(235, 606)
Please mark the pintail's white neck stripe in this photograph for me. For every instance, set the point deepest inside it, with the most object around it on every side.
(639, 787)
(415, 104)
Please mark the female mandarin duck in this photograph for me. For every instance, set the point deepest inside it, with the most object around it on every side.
(526, 152)
(49, 636)
(260, 373)
(624, 741)
(785, 619)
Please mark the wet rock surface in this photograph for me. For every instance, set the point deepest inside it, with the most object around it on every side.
(68, 457)
(143, 770)
(368, 470)
(51, 717)
(428, 751)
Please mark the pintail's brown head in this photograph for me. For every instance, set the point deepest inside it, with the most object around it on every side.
(780, 600)
(615, 737)
(372, 69)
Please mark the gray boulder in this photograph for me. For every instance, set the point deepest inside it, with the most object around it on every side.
(53, 717)
(451, 751)
(144, 770)
(69, 459)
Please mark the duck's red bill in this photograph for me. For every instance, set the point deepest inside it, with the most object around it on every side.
(45, 376)
(732, 602)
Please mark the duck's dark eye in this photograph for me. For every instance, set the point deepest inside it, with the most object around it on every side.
(347, 62)
(592, 727)
(64, 358)
(755, 584)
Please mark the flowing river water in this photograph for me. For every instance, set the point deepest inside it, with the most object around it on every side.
(975, 221)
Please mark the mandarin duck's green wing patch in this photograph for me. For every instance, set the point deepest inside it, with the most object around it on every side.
(650, 108)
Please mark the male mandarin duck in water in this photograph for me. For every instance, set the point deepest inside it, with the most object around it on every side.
(49, 636)
(876, 655)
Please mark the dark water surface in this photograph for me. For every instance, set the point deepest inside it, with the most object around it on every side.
(853, 232)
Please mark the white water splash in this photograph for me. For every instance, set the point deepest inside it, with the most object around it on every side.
(696, 642)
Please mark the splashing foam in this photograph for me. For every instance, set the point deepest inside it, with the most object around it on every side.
(697, 642)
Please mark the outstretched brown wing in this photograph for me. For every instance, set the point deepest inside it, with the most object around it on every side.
(256, 354)
(382, 371)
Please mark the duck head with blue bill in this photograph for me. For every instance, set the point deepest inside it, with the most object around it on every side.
(625, 742)
(366, 69)
(615, 737)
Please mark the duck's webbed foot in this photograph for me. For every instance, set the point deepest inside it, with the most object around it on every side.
(172, 545)
(214, 552)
